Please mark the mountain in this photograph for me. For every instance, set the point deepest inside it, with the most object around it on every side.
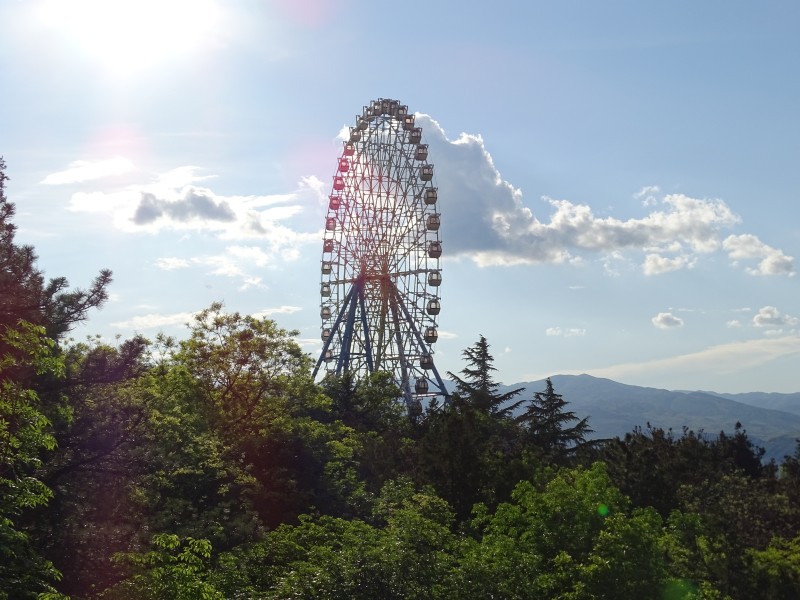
(785, 402)
(614, 409)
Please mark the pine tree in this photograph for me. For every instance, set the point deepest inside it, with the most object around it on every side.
(25, 294)
(546, 421)
(477, 386)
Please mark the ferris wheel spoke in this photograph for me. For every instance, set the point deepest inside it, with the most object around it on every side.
(347, 338)
(367, 333)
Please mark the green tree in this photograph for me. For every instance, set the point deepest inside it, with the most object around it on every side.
(454, 456)
(477, 386)
(407, 554)
(573, 537)
(255, 392)
(469, 450)
(24, 434)
(651, 465)
(25, 294)
(547, 425)
(374, 408)
(776, 570)
(789, 479)
(34, 316)
(137, 457)
(175, 568)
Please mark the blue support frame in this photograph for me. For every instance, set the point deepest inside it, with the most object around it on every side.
(355, 300)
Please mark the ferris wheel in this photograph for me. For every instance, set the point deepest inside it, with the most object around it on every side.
(381, 249)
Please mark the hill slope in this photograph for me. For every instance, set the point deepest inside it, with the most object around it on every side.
(785, 402)
(615, 408)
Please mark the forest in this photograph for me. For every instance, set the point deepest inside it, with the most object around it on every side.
(213, 466)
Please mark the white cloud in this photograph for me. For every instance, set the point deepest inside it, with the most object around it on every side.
(171, 263)
(87, 170)
(174, 201)
(722, 359)
(251, 282)
(222, 265)
(177, 178)
(309, 344)
(769, 316)
(655, 264)
(447, 335)
(735, 323)
(565, 332)
(153, 321)
(278, 310)
(648, 195)
(490, 223)
(614, 262)
(253, 254)
(234, 262)
(666, 320)
(317, 186)
(749, 247)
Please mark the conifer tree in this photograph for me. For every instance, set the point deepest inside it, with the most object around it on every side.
(477, 386)
(25, 294)
(547, 423)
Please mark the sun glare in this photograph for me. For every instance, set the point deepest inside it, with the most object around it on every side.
(126, 36)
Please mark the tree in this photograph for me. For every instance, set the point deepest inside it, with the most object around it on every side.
(406, 554)
(477, 387)
(776, 570)
(468, 449)
(373, 407)
(24, 434)
(255, 391)
(25, 295)
(135, 457)
(652, 465)
(546, 422)
(176, 569)
(572, 537)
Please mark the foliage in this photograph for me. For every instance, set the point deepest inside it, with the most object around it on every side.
(776, 569)
(25, 294)
(575, 537)
(469, 456)
(546, 420)
(23, 435)
(174, 569)
(407, 556)
(383, 433)
(652, 465)
(477, 387)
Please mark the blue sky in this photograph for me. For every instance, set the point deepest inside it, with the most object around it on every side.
(618, 180)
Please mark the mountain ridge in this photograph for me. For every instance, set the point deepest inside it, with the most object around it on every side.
(615, 409)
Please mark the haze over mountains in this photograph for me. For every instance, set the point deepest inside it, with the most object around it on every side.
(614, 409)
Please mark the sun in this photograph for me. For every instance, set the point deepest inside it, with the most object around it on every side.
(127, 36)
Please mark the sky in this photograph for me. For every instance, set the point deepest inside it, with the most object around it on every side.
(618, 181)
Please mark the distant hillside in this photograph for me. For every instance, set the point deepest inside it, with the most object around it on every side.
(785, 402)
(614, 409)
